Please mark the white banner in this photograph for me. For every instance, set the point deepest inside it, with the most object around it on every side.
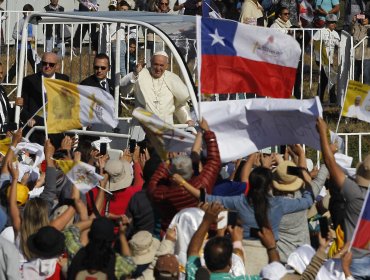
(243, 127)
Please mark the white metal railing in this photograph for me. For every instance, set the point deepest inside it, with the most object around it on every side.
(361, 152)
(360, 45)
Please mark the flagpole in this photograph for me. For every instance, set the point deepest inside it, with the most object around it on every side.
(32, 117)
(213, 10)
(43, 105)
(199, 58)
(341, 111)
(104, 189)
(359, 218)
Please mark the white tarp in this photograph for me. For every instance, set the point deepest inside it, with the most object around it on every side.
(243, 127)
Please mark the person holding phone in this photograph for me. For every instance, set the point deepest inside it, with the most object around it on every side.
(293, 229)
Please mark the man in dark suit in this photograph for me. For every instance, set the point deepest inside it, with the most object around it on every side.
(33, 89)
(99, 78)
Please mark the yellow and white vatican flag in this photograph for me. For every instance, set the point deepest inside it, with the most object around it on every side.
(81, 174)
(4, 145)
(357, 101)
(73, 106)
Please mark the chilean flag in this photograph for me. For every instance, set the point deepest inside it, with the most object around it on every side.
(237, 57)
(361, 237)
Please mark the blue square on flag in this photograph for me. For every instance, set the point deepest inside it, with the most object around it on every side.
(218, 37)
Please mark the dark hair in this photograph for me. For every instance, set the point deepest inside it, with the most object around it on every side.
(260, 181)
(217, 253)
(85, 148)
(98, 254)
(102, 56)
(28, 7)
(124, 3)
(132, 41)
(281, 9)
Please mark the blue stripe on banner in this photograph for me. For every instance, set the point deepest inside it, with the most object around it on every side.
(366, 214)
(218, 36)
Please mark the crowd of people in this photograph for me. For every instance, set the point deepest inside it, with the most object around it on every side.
(189, 216)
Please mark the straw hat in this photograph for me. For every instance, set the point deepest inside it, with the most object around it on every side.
(143, 246)
(283, 181)
(120, 176)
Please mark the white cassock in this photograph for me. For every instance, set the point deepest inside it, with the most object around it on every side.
(165, 96)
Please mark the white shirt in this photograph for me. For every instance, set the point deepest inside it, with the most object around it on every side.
(353, 111)
(164, 96)
(330, 39)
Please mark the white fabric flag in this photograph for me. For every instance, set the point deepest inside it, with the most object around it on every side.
(243, 127)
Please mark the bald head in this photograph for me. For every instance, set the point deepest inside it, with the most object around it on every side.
(49, 62)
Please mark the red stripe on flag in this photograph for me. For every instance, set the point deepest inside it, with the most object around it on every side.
(232, 74)
(362, 239)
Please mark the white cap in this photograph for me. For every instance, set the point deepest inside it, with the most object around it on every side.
(163, 53)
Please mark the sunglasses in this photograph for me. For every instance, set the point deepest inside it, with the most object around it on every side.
(45, 63)
(166, 4)
(96, 67)
(286, 14)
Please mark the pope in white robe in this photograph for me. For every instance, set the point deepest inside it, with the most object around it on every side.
(158, 90)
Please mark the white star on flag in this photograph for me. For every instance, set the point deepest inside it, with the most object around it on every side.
(217, 38)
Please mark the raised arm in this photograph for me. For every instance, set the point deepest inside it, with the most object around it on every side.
(17, 137)
(183, 183)
(247, 168)
(213, 162)
(50, 191)
(138, 173)
(61, 221)
(268, 241)
(211, 216)
(336, 173)
(160, 174)
(317, 260)
(320, 179)
(14, 210)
